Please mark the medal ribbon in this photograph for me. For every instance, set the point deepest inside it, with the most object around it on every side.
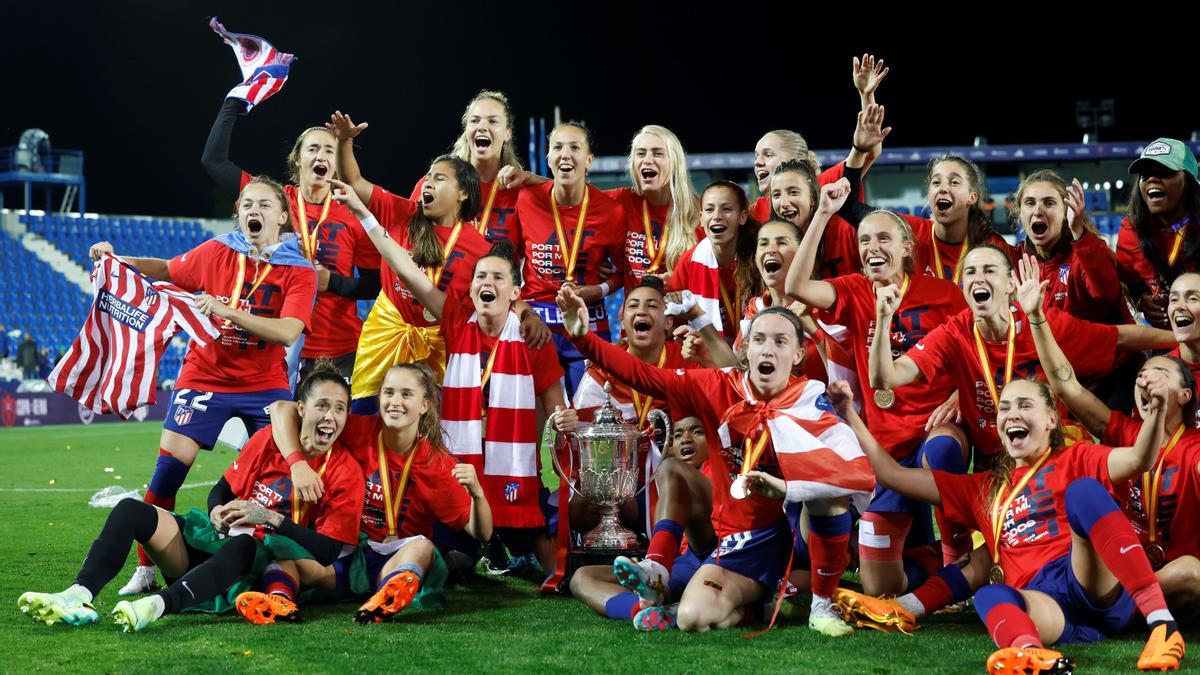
(389, 512)
(750, 458)
(642, 410)
(1180, 232)
(435, 275)
(482, 224)
(655, 260)
(987, 366)
(733, 318)
(937, 258)
(999, 509)
(569, 258)
(308, 244)
(1150, 489)
(299, 508)
(235, 293)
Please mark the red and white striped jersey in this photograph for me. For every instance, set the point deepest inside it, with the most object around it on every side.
(112, 364)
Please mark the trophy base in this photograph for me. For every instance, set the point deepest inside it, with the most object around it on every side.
(609, 539)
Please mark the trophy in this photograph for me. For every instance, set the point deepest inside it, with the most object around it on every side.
(608, 469)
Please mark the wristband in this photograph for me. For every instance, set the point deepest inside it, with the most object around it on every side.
(295, 458)
(700, 323)
(369, 223)
(858, 149)
(604, 289)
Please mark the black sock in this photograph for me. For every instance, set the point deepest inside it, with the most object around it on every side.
(131, 520)
(210, 578)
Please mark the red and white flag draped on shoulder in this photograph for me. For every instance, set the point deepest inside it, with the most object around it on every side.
(818, 454)
(113, 363)
(508, 459)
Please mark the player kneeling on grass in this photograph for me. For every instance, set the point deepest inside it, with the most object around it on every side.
(254, 516)
(1070, 570)
(683, 481)
(412, 481)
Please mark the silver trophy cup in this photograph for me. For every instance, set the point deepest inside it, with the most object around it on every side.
(608, 469)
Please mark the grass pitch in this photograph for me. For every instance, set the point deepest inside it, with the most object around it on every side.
(491, 625)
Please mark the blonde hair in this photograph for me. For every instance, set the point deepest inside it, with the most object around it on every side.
(680, 228)
(508, 151)
(795, 145)
(906, 235)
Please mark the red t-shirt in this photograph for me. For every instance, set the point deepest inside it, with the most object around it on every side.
(1178, 503)
(682, 279)
(949, 352)
(706, 394)
(672, 359)
(239, 361)
(543, 362)
(929, 302)
(394, 213)
(1195, 373)
(262, 475)
(341, 246)
(431, 494)
(1036, 531)
(949, 253)
(1083, 279)
(1135, 270)
(503, 222)
(603, 238)
(636, 256)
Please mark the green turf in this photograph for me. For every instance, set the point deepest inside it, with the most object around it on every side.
(490, 625)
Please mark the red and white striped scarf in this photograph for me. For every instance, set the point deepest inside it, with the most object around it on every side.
(704, 281)
(818, 455)
(112, 365)
(507, 460)
(264, 68)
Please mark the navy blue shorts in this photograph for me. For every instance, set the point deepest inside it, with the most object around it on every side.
(682, 572)
(1083, 621)
(200, 415)
(886, 500)
(760, 555)
(374, 563)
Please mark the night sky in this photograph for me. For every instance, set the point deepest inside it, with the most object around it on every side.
(136, 85)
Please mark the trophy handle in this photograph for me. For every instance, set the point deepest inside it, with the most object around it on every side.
(653, 416)
(550, 431)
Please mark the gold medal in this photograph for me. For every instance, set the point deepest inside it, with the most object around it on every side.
(996, 574)
(429, 316)
(885, 398)
(1156, 554)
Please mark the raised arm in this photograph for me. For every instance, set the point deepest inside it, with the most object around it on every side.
(883, 371)
(1126, 463)
(345, 131)
(1084, 406)
(800, 284)
(215, 158)
(867, 73)
(914, 483)
(395, 255)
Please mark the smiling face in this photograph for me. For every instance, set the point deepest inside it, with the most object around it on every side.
(650, 161)
(492, 288)
(987, 285)
(689, 442)
(260, 215)
(1161, 188)
(1043, 214)
(950, 192)
(792, 198)
(773, 254)
(1183, 307)
(644, 319)
(441, 194)
(773, 349)
(323, 415)
(486, 129)
(316, 158)
(569, 156)
(721, 214)
(402, 399)
(1178, 393)
(769, 153)
(882, 247)
(1024, 420)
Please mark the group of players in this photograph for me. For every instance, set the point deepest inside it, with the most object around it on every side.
(999, 367)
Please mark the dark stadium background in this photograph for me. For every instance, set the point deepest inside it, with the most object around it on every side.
(136, 84)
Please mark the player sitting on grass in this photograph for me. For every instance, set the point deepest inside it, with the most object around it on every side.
(253, 516)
